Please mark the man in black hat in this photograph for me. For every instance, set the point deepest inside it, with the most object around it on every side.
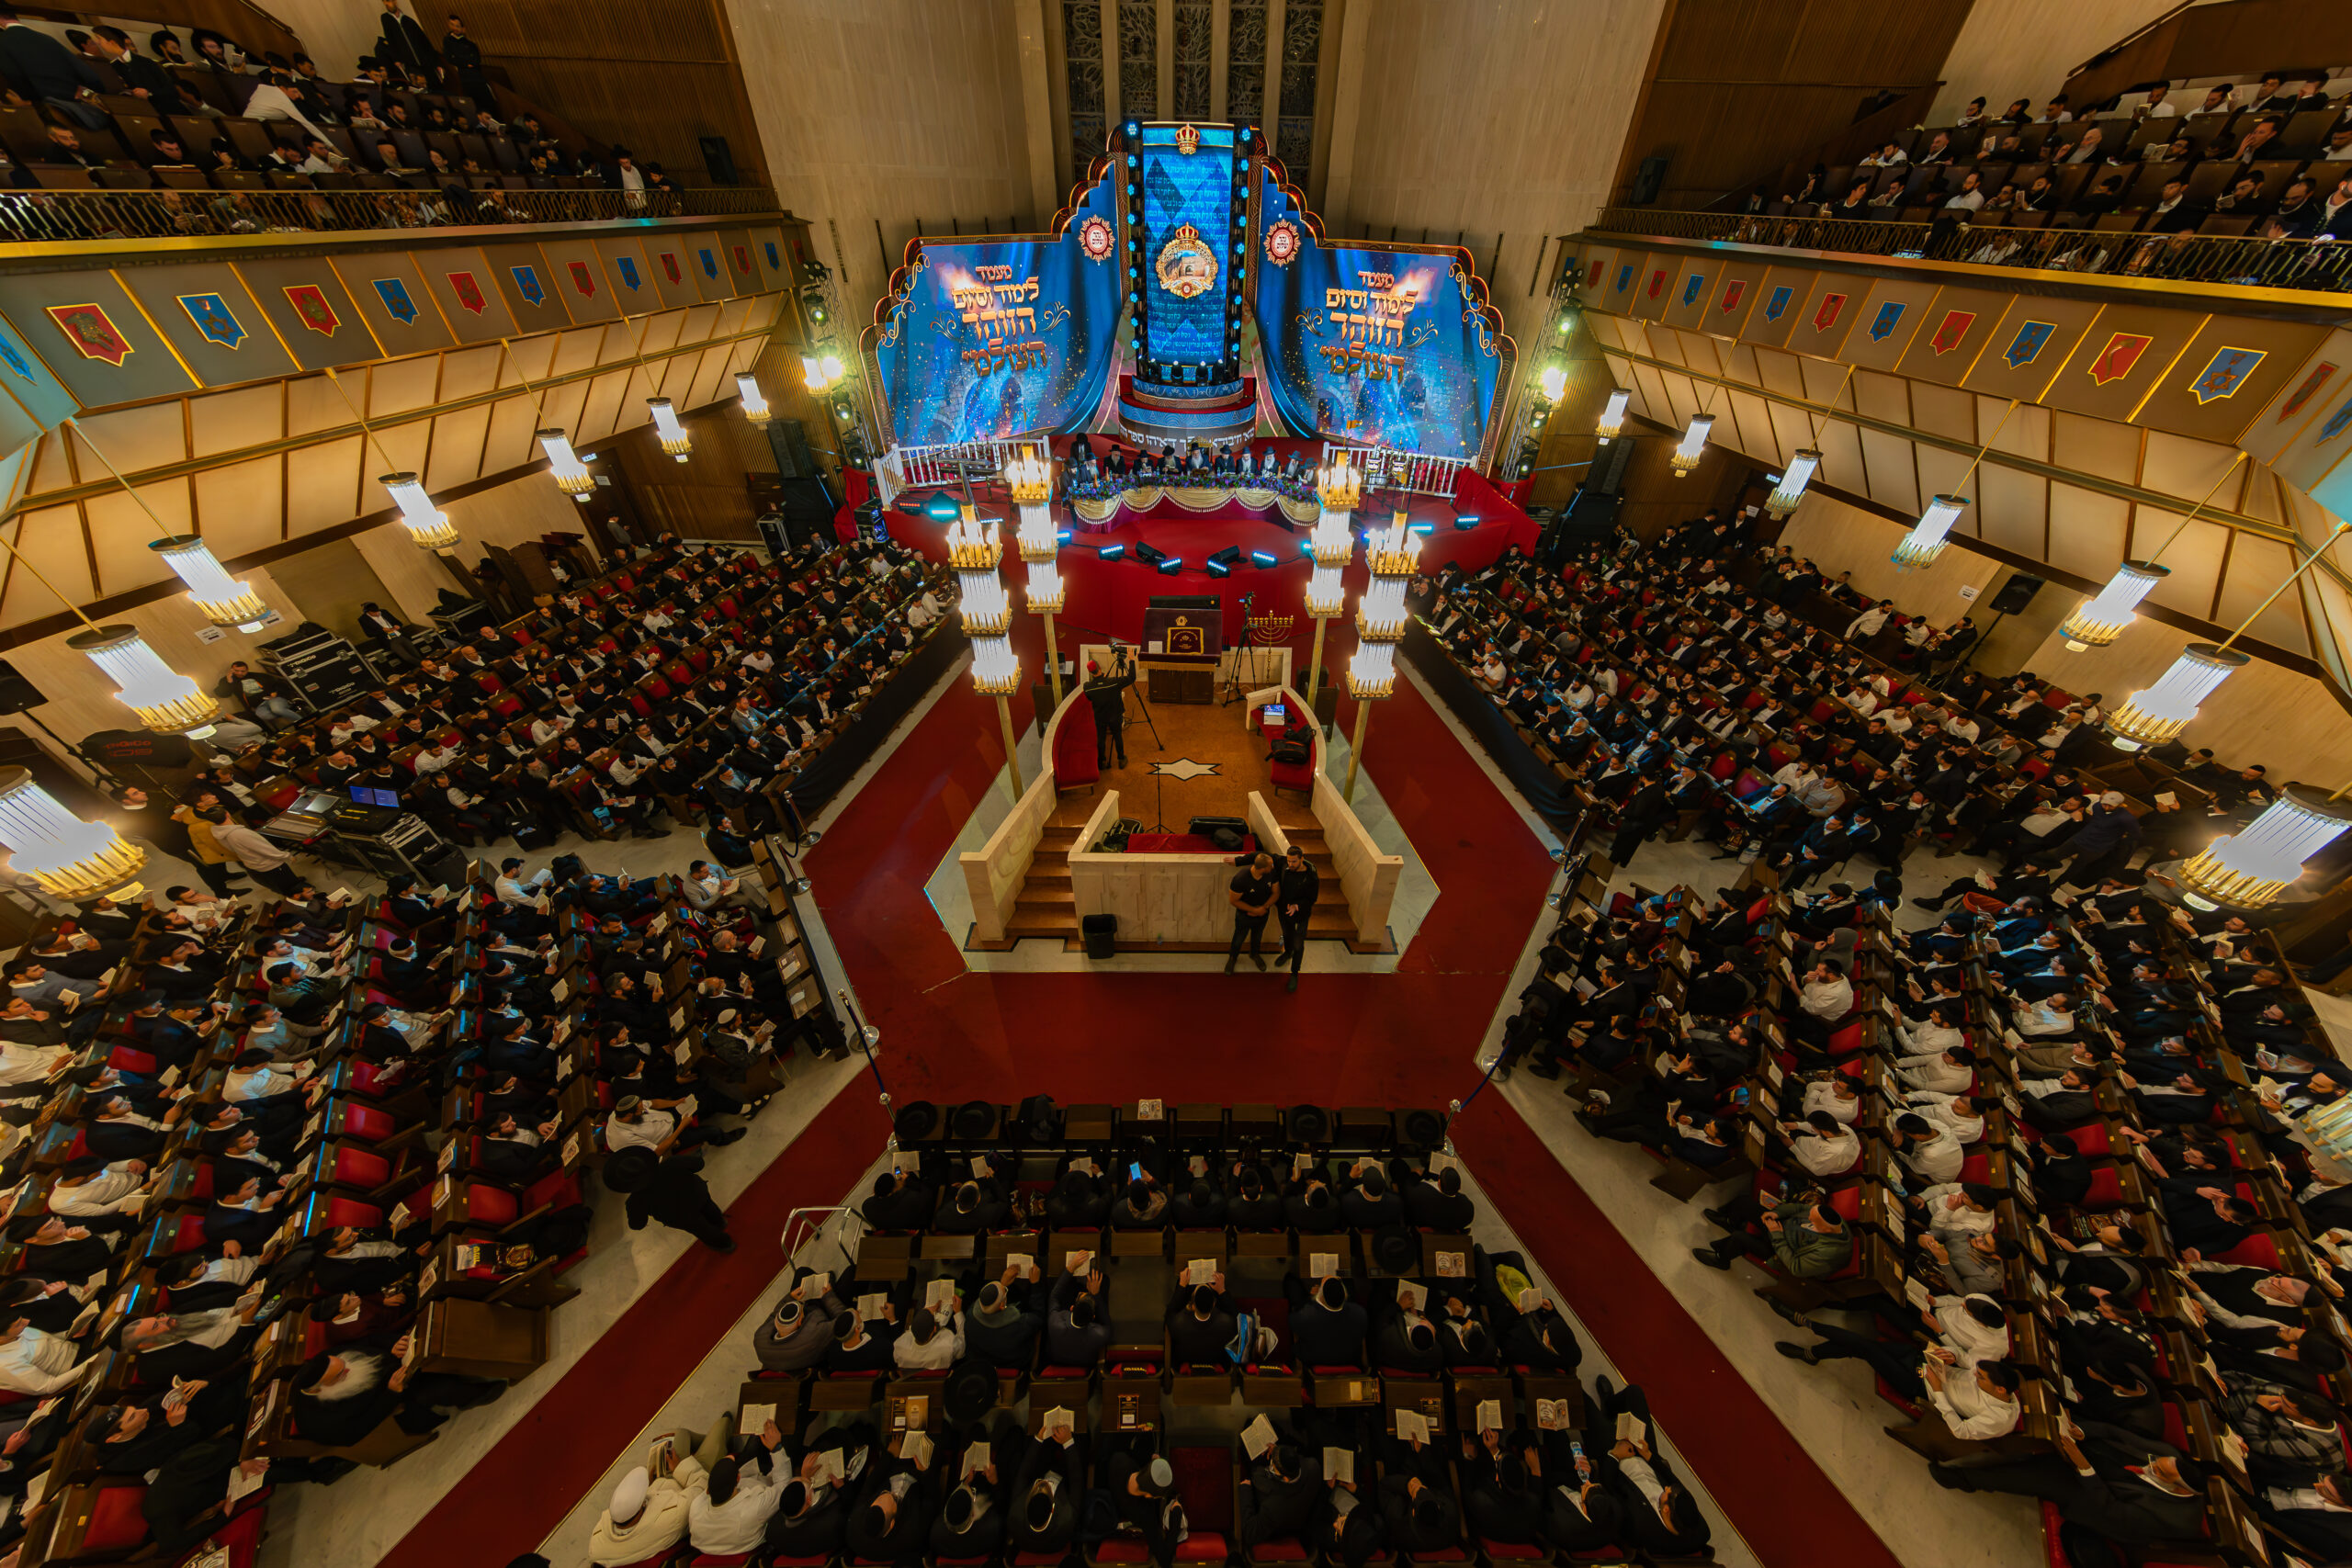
(1422, 1518)
(891, 1521)
(1257, 1202)
(1499, 1494)
(1327, 1324)
(1404, 1340)
(971, 1523)
(1309, 1206)
(1366, 1200)
(972, 1207)
(1278, 1495)
(668, 1188)
(1200, 1323)
(1077, 1330)
(1078, 1201)
(1435, 1202)
(902, 1201)
(1197, 1206)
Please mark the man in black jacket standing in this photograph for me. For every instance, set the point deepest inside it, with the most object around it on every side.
(45, 71)
(1107, 694)
(404, 41)
(1295, 889)
(670, 1190)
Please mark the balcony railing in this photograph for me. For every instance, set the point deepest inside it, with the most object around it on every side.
(2241, 261)
(47, 217)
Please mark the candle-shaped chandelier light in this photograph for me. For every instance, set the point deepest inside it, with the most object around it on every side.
(2249, 868)
(1029, 479)
(426, 524)
(1392, 554)
(224, 600)
(1925, 540)
(1694, 444)
(2106, 615)
(973, 550)
(2155, 715)
(1554, 381)
(674, 439)
(164, 700)
(1612, 418)
(1339, 485)
(819, 372)
(70, 857)
(572, 475)
(755, 402)
(1802, 465)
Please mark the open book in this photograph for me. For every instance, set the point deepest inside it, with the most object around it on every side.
(1339, 1464)
(1258, 1437)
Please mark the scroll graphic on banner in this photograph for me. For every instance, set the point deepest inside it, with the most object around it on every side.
(1384, 345)
(984, 338)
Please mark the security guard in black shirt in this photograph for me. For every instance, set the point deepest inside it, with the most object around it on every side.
(1108, 696)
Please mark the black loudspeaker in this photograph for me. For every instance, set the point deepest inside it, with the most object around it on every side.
(1649, 179)
(788, 440)
(2015, 595)
(17, 694)
(806, 508)
(1609, 465)
(720, 162)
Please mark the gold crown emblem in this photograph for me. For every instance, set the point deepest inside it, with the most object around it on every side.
(1188, 140)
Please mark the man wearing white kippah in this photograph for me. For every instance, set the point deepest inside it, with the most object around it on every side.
(647, 1517)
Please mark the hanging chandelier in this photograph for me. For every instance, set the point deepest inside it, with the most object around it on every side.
(70, 857)
(224, 600)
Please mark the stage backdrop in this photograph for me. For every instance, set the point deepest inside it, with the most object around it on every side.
(1382, 345)
(978, 339)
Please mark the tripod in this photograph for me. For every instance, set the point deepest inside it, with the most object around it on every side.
(1134, 695)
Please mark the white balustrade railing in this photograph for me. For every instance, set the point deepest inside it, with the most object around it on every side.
(1414, 473)
(919, 467)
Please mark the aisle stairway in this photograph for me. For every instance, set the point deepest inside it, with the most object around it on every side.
(1049, 908)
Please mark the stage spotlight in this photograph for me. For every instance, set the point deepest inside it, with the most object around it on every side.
(1112, 552)
(1424, 529)
(1466, 521)
(1226, 556)
(1168, 565)
(1262, 558)
(1306, 547)
(1066, 535)
(941, 509)
(1218, 568)
(1148, 551)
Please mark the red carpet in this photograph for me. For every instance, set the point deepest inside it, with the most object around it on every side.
(949, 1034)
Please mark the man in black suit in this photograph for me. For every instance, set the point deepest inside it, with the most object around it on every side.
(1660, 1514)
(405, 44)
(45, 71)
(2123, 1484)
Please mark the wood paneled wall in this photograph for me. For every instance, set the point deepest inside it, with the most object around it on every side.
(1738, 89)
(2023, 49)
(652, 78)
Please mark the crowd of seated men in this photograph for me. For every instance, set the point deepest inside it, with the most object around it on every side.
(691, 685)
(1238, 465)
(2269, 158)
(2039, 1164)
(246, 1146)
(106, 108)
(969, 1391)
(1672, 701)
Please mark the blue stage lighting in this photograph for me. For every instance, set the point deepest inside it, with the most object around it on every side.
(1466, 521)
(1112, 552)
(1424, 529)
(1218, 568)
(1169, 565)
(1065, 537)
(1261, 558)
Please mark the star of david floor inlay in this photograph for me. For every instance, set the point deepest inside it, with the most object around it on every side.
(1184, 768)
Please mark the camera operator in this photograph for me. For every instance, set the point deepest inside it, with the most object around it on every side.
(1108, 696)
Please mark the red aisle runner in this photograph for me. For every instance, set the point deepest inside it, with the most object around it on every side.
(949, 1035)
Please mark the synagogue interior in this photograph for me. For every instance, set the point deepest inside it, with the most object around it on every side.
(1020, 784)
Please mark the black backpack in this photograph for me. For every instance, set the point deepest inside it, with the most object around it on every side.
(1290, 753)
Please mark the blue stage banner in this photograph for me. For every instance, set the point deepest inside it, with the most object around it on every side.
(981, 339)
(1382, 345)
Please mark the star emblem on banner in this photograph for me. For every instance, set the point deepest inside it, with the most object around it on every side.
(1184, 769)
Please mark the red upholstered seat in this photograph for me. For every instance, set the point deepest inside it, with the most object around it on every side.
(1203, 1546)
(191, 1233)
(732, 1559)
(116, 1524)
(1847, 1040)
(2257, 1249)
(1118, 1551)
(359, 1168)
(489, 1205)
(240, 1537)
(1283, 1551)
(368, 1123)
(1510, 1552)
(342, 1212)
(130, 1059)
